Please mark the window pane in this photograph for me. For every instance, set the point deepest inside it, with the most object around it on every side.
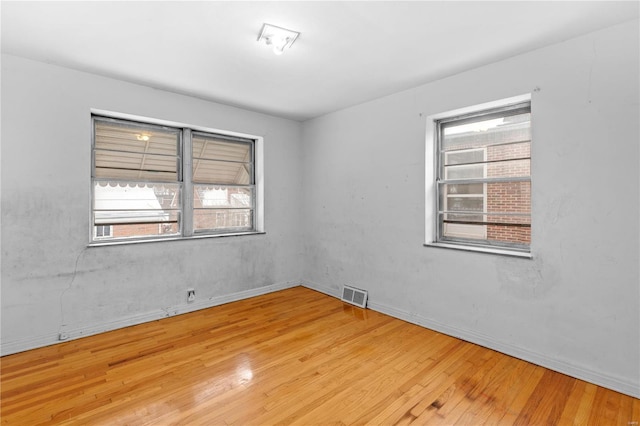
(509, 197)
(222, 197)
(125, 136)
(221, 161)
(467, 204)
(512, 151)
(129, 151)
(221, 172)
(222, 207)
(129, 165)
(511, 168)
(136, 209)
(481, 132)
(494, 229)
(211, 148)
(510, 234)
(457, 230)
(464, 171)
(133, 196)
(464, 157)
(464, 188)
(222, 219)
(495, 197)
(145, 229)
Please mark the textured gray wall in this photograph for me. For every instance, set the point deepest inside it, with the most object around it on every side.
(51, 281)
(574, 306)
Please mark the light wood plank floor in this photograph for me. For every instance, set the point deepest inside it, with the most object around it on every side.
(292, 357)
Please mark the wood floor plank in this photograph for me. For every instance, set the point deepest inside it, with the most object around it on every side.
(404, 380)
(517, 405)
(492, 388)
(456, 404)
(544, 407)
(578, 393)
(426, 385)
(291, 357)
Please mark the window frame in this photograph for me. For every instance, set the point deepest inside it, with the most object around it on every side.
(104, 234)
(184, 179)
(234, 229)
(433, 170)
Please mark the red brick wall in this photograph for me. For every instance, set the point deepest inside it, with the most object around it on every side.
(143, 229)
(509, 197)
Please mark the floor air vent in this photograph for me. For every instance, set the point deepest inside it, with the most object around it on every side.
(354, 296)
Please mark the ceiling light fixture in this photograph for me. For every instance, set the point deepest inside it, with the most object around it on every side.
(278, 38)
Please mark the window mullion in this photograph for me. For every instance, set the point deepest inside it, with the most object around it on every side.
(485, 180)
(187, 184)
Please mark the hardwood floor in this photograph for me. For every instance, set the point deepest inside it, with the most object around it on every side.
(292, 357)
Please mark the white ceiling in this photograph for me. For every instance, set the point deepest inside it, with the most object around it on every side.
(348, 52)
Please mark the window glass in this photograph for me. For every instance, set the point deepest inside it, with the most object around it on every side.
(484, 178)
(223, 207)
(129, 151)
(140, 176)
(222, 161)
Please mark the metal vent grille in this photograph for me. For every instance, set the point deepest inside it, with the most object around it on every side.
(354, 296)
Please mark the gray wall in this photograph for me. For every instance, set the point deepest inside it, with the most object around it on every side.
(573, 307)
(51, 281)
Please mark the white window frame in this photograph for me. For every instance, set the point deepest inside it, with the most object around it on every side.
(431, 176)
(186, 225)
(107, 234)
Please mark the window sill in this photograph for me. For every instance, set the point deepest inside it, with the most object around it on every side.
(489, 250)
(156, 240)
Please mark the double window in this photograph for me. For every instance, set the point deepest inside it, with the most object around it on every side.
(482, 185)
(151, 181)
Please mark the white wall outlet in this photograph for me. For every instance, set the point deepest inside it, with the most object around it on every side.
(191, 295)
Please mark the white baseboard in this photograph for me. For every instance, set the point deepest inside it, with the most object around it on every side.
(619, 385)
(20, 345)
(334, 292)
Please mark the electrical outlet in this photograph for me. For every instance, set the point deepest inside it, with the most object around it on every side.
(191, 295)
